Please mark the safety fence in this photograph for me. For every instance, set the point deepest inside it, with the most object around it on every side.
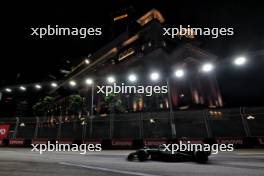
(236, 122)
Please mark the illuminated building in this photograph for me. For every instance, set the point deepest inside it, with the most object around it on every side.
(143, 48)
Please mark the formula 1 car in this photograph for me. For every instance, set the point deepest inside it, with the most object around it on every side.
(159, 154)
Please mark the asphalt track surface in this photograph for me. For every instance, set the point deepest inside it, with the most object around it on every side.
(23, 162)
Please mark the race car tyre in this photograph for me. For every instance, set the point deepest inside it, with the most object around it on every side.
(131, 156)
(201, 157)
(142, 155)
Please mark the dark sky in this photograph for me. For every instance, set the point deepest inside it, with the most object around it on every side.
(26, 59)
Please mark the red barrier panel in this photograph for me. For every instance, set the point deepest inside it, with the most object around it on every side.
(16, 142)
(93, 141)
(230, 140)
(39, 141)
(4, 131)
(154, 142)
(65, 142)
(122, 142)
(130, 143)
(191, 140)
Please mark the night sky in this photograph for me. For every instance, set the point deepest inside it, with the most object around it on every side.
(26, 59)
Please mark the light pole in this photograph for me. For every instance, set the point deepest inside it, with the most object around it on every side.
(178, 73)
(111, 80)
(90, 82)
(172, 123)
(155, 76)
(92, 99)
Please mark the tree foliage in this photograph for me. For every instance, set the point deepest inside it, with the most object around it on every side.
(75, 103)
(112, 102)
(43, 105)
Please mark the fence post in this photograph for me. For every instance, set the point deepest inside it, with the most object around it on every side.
(207, 124)
(91, 128)
(36, 128)
(141, 129)
(111, 125)
(59, 129)
(92, 114)
(244, 122)
(171, 115)
(16, 127)
(84, 126)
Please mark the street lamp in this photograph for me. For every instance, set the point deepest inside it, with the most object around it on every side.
(37, 86)
(87, 61)
(53, 84)
(8, 90)
(154, 76)
(22, 88)
(207, 67)
(250, 117)
(111, 79)
(132, 78)
(72, 83)
(240, 61)
(89, 81)
(179, 73)
(151, 120)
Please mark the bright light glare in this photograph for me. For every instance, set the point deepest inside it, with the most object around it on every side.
(132, 78)
(8, 90)
(111, 79)
(89, 81)
(22, 88)
(179, 73)
(154, 76)
(87, 61)
(72, 83)
(151, 120)
(54, 84)
(240, 61)
(250, 117)
(37, 86)
(208, 67)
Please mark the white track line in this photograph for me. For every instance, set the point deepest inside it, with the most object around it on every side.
(107, 169)
(250, 153)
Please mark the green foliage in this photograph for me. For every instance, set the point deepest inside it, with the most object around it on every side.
(75, 103)
(42, 107)
(112, 101)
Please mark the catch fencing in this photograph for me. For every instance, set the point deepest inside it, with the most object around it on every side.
(236, 122)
